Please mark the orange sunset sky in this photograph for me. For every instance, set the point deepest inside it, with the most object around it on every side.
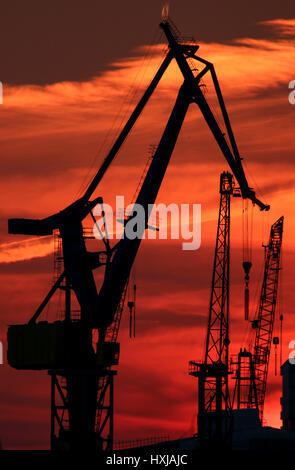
(70, 80)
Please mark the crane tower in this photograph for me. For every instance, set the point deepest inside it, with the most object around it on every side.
(212, 374)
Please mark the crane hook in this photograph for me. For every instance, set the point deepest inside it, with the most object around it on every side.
(247, 266)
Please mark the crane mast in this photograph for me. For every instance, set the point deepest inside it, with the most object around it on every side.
(212, 374)
(252, 365)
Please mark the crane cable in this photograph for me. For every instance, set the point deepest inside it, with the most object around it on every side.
(247, 251)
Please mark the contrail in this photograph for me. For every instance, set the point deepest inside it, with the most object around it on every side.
(26, 249)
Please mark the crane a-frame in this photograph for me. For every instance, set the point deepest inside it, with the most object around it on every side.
(71, 354)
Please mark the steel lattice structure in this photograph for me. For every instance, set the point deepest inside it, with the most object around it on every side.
(213, 372)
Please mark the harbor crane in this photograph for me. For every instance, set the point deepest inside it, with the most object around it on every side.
(82, 372)
(213, 391)
(252, 366)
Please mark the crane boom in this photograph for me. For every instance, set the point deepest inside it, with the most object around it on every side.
(116, 278)
(127, 128)
(253, 363)
(266, 312)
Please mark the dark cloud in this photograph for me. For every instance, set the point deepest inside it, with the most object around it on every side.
(50, 42)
